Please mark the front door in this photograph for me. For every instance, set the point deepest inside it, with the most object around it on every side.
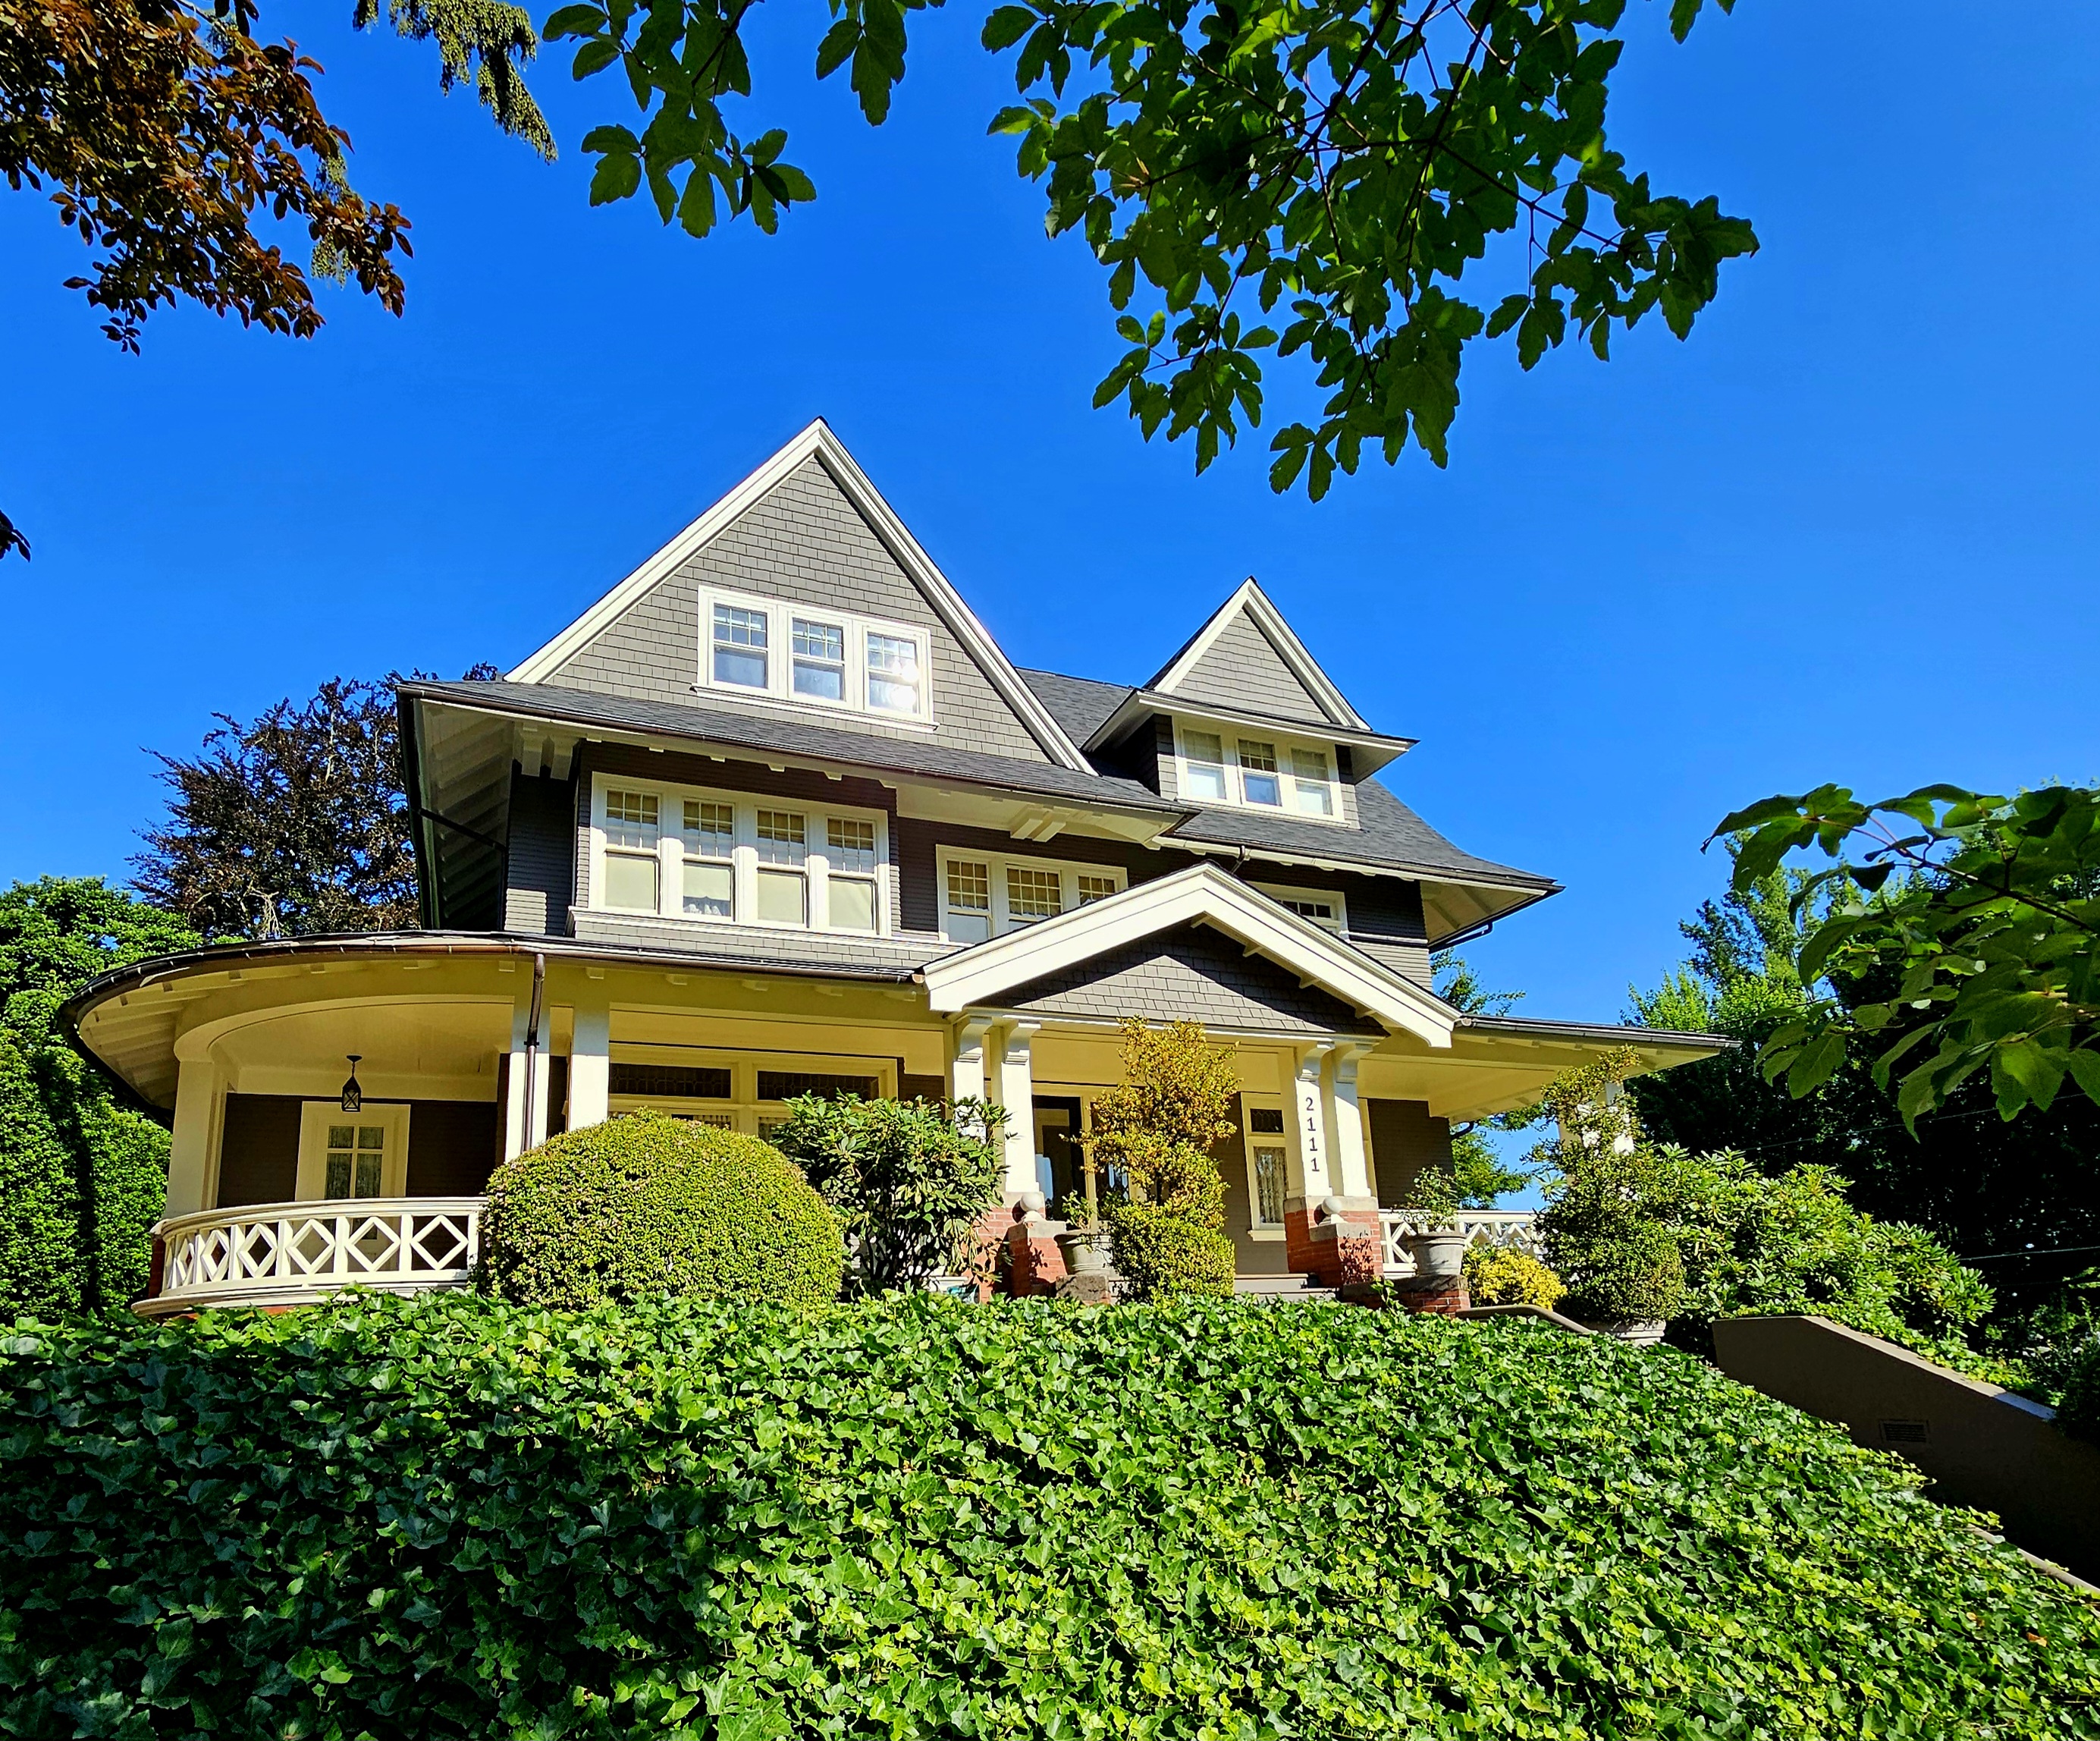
(1058, 1165)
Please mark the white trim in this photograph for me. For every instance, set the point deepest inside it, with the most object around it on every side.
(781, 616)
(1250, 598)
(817, 442)
(743, 858)
(315, 1118)
(998, 916)
(1202, 893)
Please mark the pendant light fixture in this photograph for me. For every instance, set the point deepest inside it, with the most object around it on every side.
(353, 1096)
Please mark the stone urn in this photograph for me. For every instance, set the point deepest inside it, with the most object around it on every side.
(1084, 1253)
(1439, 1253)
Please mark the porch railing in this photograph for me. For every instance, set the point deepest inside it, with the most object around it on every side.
(1515, 1228)
(292, 1253)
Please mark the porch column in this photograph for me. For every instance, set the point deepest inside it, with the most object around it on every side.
(199, 1097)
(516, 1137)
(590, 1060)
(966, 1065)
(1311, 1176)
(1017, 1094)
(1344, 1119)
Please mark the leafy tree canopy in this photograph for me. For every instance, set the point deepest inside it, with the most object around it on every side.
(1260, 179)
(1478, 1171)
(1968, 922)
(296, 822)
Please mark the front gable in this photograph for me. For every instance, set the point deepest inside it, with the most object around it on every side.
(806, 529)
(1247, 657)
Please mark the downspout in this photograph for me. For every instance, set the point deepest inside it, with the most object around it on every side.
(532, 1046)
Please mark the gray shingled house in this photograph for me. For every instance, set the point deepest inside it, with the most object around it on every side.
(776, 816)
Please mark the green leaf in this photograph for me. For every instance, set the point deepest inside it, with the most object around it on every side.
(617, 174)
(573, 20)
(1007, 25)
(595, 56)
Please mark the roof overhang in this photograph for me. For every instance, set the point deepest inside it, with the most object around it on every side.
(1250, 598)
(1369, 751)
(1202, 894)
(1497, 1063)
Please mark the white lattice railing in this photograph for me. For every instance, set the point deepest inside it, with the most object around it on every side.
(288, 1253)
(1511, 1227)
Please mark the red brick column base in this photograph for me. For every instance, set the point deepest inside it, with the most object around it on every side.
(1447, 1297)
(1034, 1266)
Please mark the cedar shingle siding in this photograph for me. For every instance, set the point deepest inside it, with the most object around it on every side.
(1242, 669)
(1192, 973)
(806, 543)
(542, 855)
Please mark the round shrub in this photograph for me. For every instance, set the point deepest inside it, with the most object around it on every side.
(1162, 1254)
(647, 1205)
(1501, 1275)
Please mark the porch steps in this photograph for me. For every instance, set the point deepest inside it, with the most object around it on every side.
(1283, 1287)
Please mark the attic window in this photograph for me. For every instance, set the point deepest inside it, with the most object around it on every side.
(1255, 773)
(835, 661)
(1324, 907)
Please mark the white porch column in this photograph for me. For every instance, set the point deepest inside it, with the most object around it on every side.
(1312, 1178)
(590, 1059)
(200, 1094)
(1344, 1114)
(966, 1063)
(516, 1137)
(1017, 1094)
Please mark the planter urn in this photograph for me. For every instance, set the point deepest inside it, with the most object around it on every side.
(1084, 1253)
(1439, 1255)
(1635, 1332)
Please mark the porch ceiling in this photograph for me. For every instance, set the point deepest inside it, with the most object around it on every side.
(1494, 1065)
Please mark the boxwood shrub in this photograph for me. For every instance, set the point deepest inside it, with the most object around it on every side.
(644, 1205)
(912, 1518)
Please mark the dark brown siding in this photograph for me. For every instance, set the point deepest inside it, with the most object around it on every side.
(451, 1147)
(259, 1155)
(542, 854)
(1405, 1138)
(921, 1087)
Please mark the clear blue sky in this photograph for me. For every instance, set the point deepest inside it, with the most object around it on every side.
(1849, 531)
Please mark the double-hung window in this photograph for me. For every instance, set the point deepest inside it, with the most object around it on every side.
(1267, 1171)
(741, 638)
(1204, 753)
(710, 842)
(784, 878)
(820, 660)
(836, 660)
(737, 858)
(1308, 783)
(632, 868)
(987, 895)
(850, 849)
(1258, 775)
(893, 674)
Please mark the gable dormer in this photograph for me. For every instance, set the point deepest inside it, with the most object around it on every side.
(800, 595)
(1242, 718)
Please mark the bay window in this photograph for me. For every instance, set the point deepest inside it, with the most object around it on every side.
(724, 857)
(835, 660)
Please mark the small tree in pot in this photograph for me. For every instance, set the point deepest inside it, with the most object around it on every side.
(1432, 1239)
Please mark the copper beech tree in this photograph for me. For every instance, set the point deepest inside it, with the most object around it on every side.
(166, 136)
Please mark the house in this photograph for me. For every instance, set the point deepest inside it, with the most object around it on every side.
(777, 816)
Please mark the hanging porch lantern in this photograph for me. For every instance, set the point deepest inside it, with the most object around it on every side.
(353, 1096)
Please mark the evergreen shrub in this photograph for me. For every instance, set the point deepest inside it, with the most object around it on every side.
(645, 1205)
(1502, 1275)
(1161, 1253)
(912, 1518)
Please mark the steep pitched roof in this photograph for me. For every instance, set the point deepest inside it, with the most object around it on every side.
(564, 660)
(1247, 642)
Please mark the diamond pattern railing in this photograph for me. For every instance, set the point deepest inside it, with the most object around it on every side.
(1516, 1228)
(270, 1253)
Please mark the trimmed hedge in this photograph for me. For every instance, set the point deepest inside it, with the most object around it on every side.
(1163, 1254)
(645, 1205)
(911, 1518)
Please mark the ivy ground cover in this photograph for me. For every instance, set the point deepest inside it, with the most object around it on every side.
(1222, 1521)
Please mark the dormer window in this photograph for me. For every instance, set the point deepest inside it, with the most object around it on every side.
(1205, 753)
(834, 660)
(1257, 773)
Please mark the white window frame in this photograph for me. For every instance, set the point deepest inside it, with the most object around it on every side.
(742, 1111)
(780, 615)
(317, 1115)
(1068, 873)
(1333, 898)
(1249, 1103)
(1288, 783)
(744, 857)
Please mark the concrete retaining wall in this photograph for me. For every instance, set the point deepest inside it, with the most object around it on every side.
(1982, 1446)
